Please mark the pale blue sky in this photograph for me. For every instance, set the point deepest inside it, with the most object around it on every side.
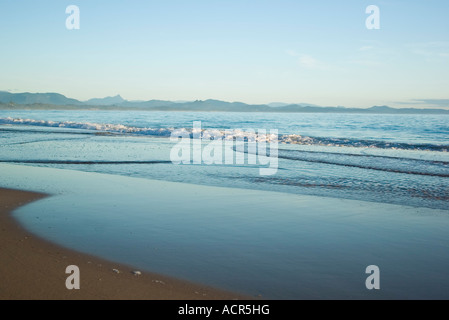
(318, 52)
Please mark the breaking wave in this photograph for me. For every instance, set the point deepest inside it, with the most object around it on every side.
(225, 135)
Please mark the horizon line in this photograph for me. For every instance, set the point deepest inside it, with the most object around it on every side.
(413, 102)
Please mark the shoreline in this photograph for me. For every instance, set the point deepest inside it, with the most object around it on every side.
(33, 268)
(322, 245)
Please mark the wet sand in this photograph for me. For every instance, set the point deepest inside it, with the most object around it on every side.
(33, 268)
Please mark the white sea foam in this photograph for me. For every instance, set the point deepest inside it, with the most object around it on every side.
(213, 134)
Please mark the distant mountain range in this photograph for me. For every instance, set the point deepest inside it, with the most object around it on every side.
(105, 101)
(31, 98)
(58, 101)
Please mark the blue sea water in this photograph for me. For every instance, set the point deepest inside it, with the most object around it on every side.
(399, 159)
(369, 182)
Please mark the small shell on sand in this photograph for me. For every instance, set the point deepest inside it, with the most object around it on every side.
(158, 281)
(136, 273)
(116, 270)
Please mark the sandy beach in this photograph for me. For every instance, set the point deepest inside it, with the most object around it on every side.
(33, 268)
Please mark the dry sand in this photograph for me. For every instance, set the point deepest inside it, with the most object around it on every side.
(33, 268)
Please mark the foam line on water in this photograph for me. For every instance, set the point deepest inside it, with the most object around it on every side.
(226, 135)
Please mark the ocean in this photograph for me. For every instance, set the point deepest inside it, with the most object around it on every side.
(348, 190)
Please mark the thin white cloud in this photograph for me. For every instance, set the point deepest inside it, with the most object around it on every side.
(367, 63)
(366, 48)
(435, 50)
(310, 62)
(427, 103)
(307, 61)
(372, 54)
(291, 53)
